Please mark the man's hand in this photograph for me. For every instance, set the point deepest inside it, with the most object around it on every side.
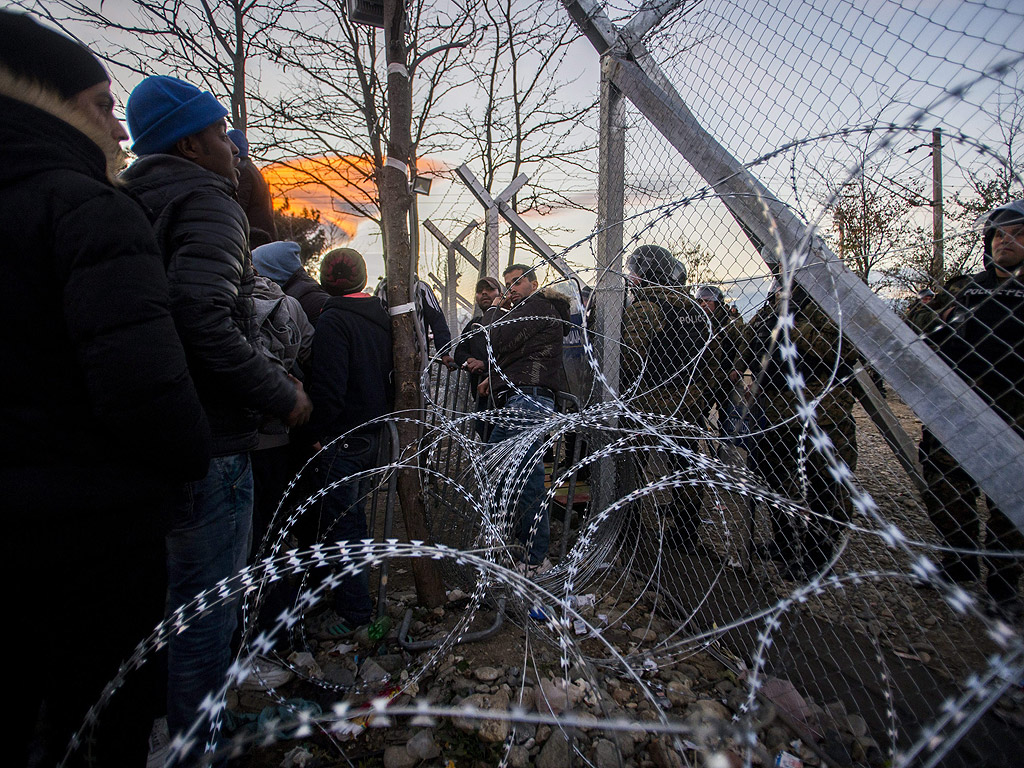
(449, 362)
(475, 366)
(303, 405)
(484, 388)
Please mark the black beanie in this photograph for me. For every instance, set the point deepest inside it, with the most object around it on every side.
(28, 49)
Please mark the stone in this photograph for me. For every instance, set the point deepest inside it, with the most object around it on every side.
(486, 674)
(553, 697)
(338, 674)
(455, 595)
(626, 742)
(297, 758)
(524, 698)
(605, 754)
(399, 757)
(372, 672)
(724, 687)
(621, 696)
(643, 635)
(679, 694)
(856, 725)
(392, 663)
(422, 746)
(525, 732)
(663, 755)
(555, 752)
(543, 733)
(712, 708)
(518, 757)
(490, 731)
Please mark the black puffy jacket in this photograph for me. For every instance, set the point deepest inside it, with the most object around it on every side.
(350, 377)
(97, 405)
(204, 236)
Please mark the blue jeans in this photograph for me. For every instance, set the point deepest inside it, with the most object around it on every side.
(209, 540)
(529, 508)
(343, 518)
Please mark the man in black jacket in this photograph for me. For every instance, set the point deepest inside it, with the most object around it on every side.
(186, 178)
(524, 376)
(350, 385)
(101, 419)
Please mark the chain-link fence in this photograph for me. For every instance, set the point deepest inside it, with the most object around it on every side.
(806, 429)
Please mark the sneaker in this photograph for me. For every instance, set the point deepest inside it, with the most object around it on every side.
(332, 626)
(532, 571)
(266, 673)
(159, 744)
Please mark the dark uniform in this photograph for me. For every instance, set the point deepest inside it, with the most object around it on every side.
(784, 455)
(671, 358)
(981, 335)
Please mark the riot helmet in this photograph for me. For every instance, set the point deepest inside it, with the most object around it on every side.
(654, 264)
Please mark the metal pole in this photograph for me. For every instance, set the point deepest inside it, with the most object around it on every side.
(610, 291)
(938, 260)
(981, 442)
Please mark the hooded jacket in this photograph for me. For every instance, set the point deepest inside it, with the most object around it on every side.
(97, 402)
(281, 261)
(203, 234)
(350, 380)
(527, 342)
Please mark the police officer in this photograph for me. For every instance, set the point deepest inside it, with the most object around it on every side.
(669, 359)
(784, 455)
(982, 337)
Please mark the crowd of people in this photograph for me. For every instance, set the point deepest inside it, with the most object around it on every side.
(682, 353)
(160, 390)
(170, 363)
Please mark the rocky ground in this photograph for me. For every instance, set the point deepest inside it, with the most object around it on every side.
(693, 681)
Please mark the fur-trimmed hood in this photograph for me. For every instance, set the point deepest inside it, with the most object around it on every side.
(25, 137)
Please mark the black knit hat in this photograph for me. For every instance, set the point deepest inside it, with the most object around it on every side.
(28, 49)
(343, 271)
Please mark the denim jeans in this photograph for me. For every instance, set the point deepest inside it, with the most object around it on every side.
(208, 541)
(344, 519)
(529, 507)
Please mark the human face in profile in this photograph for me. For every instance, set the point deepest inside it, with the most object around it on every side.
(97, 105)
(213, 149)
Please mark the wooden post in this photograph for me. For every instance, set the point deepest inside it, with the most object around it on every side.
(396, 202)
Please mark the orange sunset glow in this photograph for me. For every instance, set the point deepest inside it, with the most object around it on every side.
(332, 185)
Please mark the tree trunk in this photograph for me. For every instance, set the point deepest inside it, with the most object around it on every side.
(395, 200)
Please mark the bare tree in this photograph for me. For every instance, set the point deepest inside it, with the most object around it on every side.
(528, 114)
(330, 120)
(208, 43)
(697, 261)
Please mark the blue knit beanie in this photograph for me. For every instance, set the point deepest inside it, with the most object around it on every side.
(239, 140)
(278, 261)
(162, 110)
